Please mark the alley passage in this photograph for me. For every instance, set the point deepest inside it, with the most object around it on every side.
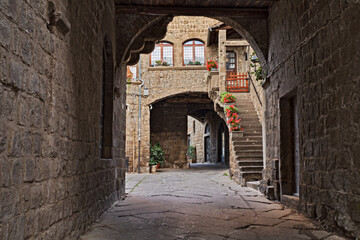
(199, 203)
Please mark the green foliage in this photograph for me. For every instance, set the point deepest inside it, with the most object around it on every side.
(190, 63)
(156, 154)
(191, 153)
(197, 63)
(231, 109)
(226, 97)
(258, 74)
(158, 62)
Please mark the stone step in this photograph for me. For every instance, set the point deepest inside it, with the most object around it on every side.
(253, 184)
(255, 146)
(251, 176)
(251, 168)
(252, 134)
(247, 139)
(249, 151)
(249, 157)
(250, 163)
(247, 143)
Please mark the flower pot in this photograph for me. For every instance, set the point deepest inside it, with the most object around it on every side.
(237, 133)
(153, 168)
(158, 166)
(213, 69)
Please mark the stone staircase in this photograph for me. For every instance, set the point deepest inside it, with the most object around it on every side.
(247, 150)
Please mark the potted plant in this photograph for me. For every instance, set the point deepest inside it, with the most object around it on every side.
(233, 119)
(211, 65)
(161, 63)
(191, 154)
(156, 156)
(190, 63)
(197, 63)
(226, 97)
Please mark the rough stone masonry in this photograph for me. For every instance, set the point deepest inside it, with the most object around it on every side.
(53, 184)
(56, 55)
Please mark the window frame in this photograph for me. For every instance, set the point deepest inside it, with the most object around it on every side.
(161, 44)
(193, 45)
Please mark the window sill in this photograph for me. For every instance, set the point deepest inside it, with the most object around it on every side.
(166, 68)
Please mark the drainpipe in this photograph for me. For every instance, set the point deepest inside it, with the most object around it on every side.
(141, 85)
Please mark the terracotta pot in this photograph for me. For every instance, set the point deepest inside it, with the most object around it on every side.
(158, 166)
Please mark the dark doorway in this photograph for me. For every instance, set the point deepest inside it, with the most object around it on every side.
(223, 144)
(289, 146)
(207, 143)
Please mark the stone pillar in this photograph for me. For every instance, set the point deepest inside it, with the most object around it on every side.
(222, 60)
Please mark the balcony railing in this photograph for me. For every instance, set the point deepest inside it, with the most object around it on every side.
(237, 82)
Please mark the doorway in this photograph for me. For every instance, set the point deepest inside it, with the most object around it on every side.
(207, 143)
(289, 146)
(223, 144)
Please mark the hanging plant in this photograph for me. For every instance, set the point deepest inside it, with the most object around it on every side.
(226, 97)
(211, 64)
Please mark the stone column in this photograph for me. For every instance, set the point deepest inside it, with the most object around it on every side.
(222, 61)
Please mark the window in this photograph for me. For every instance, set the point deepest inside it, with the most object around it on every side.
(163, 52)
(193, 51)
(194, 127)
(231, 62)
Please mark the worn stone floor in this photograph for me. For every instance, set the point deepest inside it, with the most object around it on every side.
(199, 203)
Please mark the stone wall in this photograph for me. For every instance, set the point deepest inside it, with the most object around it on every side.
(164, 82)
(168, 123)
(314, 56)
(197, 137)
(53, 184)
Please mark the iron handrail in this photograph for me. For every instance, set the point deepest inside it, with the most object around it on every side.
(257, 94)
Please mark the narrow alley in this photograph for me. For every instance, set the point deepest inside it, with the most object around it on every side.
(198, 203)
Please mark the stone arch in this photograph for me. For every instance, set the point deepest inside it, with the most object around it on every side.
(143, 41)
(257, 39)
(164, 96)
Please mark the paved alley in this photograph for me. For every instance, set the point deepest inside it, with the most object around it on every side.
(199, 203)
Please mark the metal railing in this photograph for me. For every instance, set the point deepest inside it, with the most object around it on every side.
(252, 83)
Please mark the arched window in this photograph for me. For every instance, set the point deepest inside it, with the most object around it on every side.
(207, 129)
(194, 52)
(163, 54)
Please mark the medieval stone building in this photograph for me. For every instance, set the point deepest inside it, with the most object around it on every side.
(182, 88)
(63, 72)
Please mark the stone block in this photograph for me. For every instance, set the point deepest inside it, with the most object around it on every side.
(14, 145)
(354, 209)
(5, 33)
(27, 143)
(36, 144)
(17, 172)
(26, 50)
(4, 173)
(7, 204)
(17, 74)
(34, 83)
(8, 105)
(3, 137)
(30, 170)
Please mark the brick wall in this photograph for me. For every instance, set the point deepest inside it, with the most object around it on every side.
(52, 183)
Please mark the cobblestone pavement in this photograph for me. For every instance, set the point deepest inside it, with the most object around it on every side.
(194, 204)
